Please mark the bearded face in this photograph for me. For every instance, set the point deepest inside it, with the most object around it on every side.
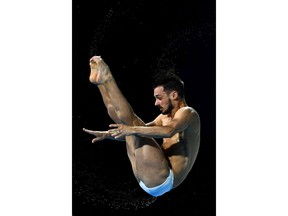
(168, 108)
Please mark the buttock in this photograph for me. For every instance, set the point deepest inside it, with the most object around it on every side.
(159, 190)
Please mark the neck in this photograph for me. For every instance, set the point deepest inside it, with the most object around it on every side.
(177, 106)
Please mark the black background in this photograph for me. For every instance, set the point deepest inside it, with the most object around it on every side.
(135, 38)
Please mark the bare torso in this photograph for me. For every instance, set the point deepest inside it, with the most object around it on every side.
(182, 148)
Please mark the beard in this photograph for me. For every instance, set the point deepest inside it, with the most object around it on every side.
(169, 109)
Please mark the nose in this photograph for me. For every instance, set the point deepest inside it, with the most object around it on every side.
(156, 103)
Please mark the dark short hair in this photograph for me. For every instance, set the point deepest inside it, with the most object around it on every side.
(170, 82)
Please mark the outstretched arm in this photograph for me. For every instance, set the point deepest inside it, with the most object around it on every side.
(101, 135)
(183, 118)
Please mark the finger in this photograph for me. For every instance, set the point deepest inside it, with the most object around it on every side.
(114, 125)
(115, 132)
(88, 131)
(96, 139)
(118, 136)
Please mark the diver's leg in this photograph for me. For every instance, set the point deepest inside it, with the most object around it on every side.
(117, 106)
(148, 161)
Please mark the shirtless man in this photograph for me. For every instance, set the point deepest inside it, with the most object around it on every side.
(157, 168)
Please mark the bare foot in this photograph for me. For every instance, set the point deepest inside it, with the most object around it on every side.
(100, 72)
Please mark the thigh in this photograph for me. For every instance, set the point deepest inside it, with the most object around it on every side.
(148, 161)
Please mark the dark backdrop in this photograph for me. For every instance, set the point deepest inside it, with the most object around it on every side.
(135, 38)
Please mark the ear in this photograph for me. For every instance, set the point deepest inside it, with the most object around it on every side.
(174, 95)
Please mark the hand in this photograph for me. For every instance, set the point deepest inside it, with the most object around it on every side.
(100, 135)
(120, 130)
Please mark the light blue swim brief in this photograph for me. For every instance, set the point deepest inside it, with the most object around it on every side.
(161, 189)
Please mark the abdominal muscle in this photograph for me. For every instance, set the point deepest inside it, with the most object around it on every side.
(181, 156)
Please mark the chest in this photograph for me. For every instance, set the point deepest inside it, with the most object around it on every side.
(166, 120)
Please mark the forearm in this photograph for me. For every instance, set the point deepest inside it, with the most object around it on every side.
(152, 131)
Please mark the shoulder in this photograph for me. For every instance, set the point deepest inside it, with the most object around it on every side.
(188, 110)
(188, 113)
